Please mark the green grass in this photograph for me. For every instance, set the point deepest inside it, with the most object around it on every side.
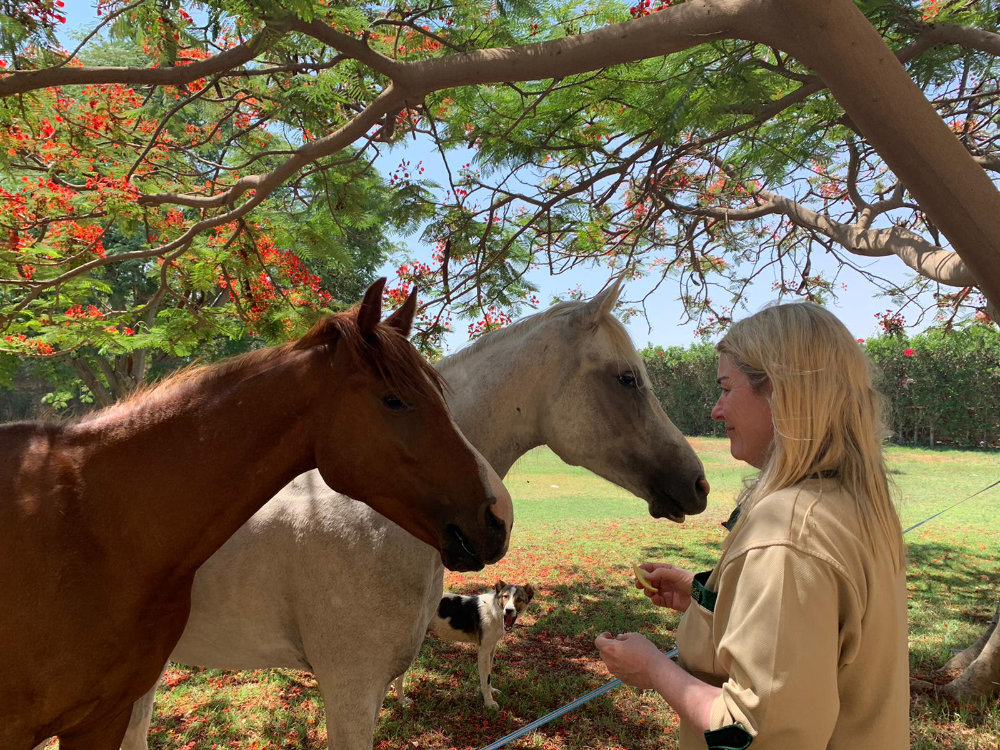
(574, 540)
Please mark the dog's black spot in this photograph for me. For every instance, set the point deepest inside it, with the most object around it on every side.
(461, 613)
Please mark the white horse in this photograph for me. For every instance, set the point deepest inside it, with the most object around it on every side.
(320, 582)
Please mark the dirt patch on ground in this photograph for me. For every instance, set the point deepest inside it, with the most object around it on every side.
(708, 444)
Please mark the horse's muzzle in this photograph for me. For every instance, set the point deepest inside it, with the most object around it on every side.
(458, 553)
(677, 497)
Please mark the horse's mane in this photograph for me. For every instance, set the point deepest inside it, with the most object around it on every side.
(386, 351)
(623, 346)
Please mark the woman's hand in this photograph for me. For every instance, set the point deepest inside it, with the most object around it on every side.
(630, 657)
(636, 661)
(673, 585)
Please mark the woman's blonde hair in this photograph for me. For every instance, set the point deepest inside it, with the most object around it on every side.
(827, 416)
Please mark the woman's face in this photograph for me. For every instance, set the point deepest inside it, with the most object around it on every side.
(747, 414)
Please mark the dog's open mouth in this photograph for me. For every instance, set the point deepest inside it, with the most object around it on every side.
(508, 621)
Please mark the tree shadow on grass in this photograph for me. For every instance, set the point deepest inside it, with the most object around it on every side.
(953, 593)
(696, 558)
(209, 708)
(547, 661)
(551, 660)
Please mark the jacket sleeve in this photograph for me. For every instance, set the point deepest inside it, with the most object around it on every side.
(778, 634)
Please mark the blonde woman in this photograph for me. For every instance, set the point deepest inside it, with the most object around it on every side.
(797, 639)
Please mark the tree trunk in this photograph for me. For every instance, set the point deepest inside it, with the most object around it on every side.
(981, 678)
(102, 396)
(978, 668)
(962, 660)
(883, 102)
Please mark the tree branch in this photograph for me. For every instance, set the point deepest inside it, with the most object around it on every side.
(20, 82)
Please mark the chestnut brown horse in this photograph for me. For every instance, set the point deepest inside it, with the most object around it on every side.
(104, 521)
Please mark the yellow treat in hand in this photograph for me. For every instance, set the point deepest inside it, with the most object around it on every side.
(643, 578)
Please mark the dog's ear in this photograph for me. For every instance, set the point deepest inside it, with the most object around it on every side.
(529, 591)
(499, 586)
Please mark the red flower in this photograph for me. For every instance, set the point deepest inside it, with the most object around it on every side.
(908, 353)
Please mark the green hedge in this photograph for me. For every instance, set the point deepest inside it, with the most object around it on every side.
(684, 382)
(940, 387)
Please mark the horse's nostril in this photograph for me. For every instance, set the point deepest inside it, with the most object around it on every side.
(702, 485)
(495, 523)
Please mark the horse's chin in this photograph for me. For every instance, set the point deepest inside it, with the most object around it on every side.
(666, 509)
(460, 563)
(457, 553)
(675, 517)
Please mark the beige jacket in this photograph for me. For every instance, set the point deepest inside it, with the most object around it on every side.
(808, 637)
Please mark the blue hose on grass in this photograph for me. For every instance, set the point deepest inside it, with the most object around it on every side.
(528, 728)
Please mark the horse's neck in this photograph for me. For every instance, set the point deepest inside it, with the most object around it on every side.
(185, 469)
(496, 395)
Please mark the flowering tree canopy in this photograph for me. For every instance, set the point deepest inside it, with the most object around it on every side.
(203, 167)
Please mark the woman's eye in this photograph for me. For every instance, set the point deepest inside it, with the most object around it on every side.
(393, 402)
(628, 380)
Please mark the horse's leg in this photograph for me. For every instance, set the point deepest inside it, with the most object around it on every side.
(353, 692)
(352, 698)
(139, 720)
(105, 734)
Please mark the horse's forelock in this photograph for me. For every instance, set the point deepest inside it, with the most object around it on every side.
(385, 350)
(621, 342)
(403, 368)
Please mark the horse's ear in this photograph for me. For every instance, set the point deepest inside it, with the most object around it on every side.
(402, 319)
(604, 302)
(370, 309)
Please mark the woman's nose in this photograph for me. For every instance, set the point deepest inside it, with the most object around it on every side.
(717, 411)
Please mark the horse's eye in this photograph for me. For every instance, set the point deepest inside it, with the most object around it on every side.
(628, 380)
(393, 402)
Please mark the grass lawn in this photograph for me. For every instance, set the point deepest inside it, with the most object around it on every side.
(575, 539)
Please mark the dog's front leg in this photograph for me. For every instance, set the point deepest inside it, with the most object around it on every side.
(485, 671)
(401, 696)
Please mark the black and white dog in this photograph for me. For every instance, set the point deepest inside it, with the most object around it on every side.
(480, 619)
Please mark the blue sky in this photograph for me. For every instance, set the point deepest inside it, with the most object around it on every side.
(856, 306)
